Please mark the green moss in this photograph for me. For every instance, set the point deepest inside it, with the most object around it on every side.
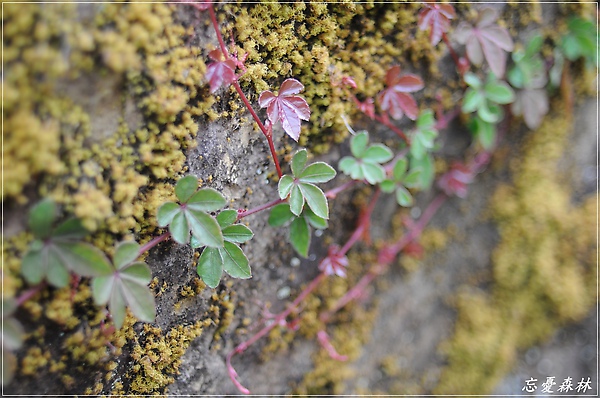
(543, 267)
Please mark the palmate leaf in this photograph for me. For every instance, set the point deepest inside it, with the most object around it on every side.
(424, 135)
(486, 39)
(221, 72)
(367, 160)
(532, 104)
(229, 257)
(436, 17)
(286, 107)
(394, 99)
(486, 98)
(400, 180)
(126, 286)
(190, 215)
(300, 187)
(58, 251)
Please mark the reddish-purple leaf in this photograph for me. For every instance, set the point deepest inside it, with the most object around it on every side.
(437, 17)
(221, 72)
(456, 180)
(394, 99)
(286, 107)
(200, 5)
(486, 39)
(532, 104)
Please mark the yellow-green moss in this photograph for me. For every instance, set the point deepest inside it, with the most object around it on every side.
(543, 267)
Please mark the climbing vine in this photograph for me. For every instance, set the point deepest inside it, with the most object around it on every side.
(58, 255)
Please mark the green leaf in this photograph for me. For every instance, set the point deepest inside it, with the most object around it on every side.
(226, 218)
(41, 218)
(70, 229)
(300, 236)
(33, 268)
(204, 228)
(373, 173)
(116, 306)
(516, 77)
(237, 233)
(314, 220)
(534, 46)
(235, 262)
(358, 144)
(427, 171)
(210, 266)
(280, 215)
(426, 120)
(83, 258)
(125, 253)
(417, 149)
(206, 199)
(296, 201)
(137, 272)
(179, 229)
(413, 178)
(347, 165)
(317, 173)
(316, 200)
(488, 112)
(12, 335)
(400, 169)
(387, 186)
(166, 213)
(185, 188)
(485, 133)
(472, 80)
(471, 101)
(285, 185)
(377, 153)
(499, 92)
(299, 161)
(102, 288)
(403, 197)
(139, 298)
(56, 271)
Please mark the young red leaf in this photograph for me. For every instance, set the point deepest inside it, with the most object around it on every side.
(200, 5)
(394, 98)
(437, 17)
(286, 107)
(221, 72)
(486, 39)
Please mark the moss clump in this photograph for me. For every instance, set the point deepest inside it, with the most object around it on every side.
(543, 268)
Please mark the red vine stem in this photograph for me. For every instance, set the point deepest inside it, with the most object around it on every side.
(245, 213)
(392, 251)
(29, 293)
(280, 318)
(238, 88)
(452, 52)
(381, 120)
(264, 331)
(153, 243)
